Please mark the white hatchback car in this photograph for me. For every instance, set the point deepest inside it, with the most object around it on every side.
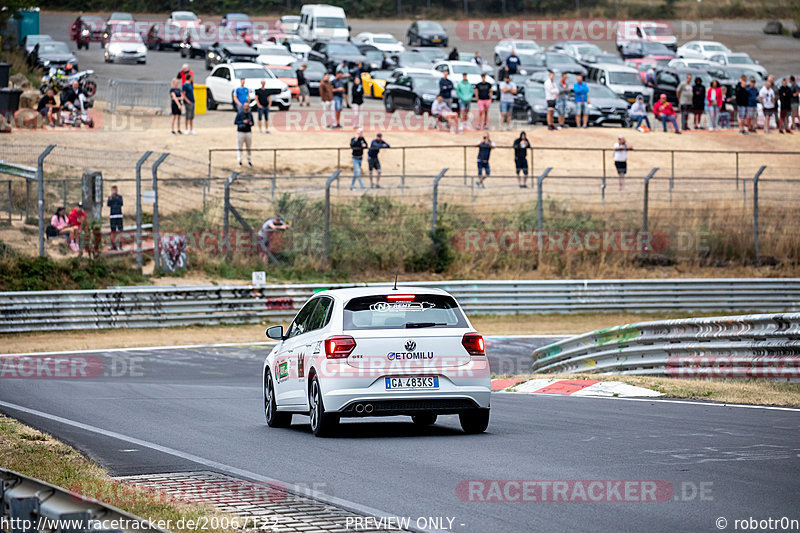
(225, 78)
(377, 351)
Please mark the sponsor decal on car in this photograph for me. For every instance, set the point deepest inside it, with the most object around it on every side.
(283, 371)
(396, 356)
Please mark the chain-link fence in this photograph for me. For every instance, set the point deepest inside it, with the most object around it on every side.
(571, 208)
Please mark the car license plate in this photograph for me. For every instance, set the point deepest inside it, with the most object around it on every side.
(437, 40)
(406, 383)
(631, 100)
(615, 115)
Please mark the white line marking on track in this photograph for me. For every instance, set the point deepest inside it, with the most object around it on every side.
(105, 350)
(303, 491)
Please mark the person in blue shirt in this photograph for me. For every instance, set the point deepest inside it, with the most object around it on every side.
(752, 105)
(581, 91)
(446, 89)
(372, 159)
(512, 62)
(188, 104)
(241, 95)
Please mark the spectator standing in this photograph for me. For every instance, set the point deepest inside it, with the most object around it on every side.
(326, 96)
(453, 55)
(176, 99)
(725, 110)
(581, 91)
(752, 105)
(512, 62)
(244, 132)
(521, 145)
(767, 98)
(550, 95)
(357, 145)
(685, 93)
(446, 88)
(621, 148)
(562, 105)
(484, 151)
(302, 83)
(484, 92)
(664, 112)
(48, 107)
(785, 100)
(638, 113)
(795, 123)
(650, 77)
(443, 113)
(339, 94)
(372, 159)
(114, 204)
(342, 69)
(188, 104)
(357, 100)
(183, 73)
(465, 92)
(263, 101)
(477, 59)
(353, 73)
(241, 95)
(508, 89)
(713, 104)
(742, 99)
(698, 102)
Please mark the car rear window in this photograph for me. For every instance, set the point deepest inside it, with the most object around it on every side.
(394, 311)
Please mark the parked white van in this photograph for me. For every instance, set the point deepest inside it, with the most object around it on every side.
(322, 22)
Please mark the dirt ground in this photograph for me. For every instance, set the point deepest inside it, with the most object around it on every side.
(131, 338)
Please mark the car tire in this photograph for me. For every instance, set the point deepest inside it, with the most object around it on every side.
(424, 419)
(530, 116)
(322, 423)
(284, 107)
(275, 419)
(475, 421)
(210, 102)
(497, 60)
(388, 103)
(417, 106)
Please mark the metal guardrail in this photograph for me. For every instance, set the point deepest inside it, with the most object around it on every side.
(31, 505)
(136, 94)
(747, 346)
(180, 306)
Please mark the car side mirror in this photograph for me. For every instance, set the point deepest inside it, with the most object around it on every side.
(275, 332)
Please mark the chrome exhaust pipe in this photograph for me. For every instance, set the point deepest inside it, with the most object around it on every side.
(368, 408)
(359, 408)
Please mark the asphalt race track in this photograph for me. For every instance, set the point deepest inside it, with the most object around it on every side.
(189, 409)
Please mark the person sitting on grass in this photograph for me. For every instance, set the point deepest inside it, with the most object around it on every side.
(60, 222)
(664, 112)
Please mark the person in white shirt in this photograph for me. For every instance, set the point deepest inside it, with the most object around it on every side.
(507, 91)
(551, 95)
(621, 148)
(767, 98)
(442, 113)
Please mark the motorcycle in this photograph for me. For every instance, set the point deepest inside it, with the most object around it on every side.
(58, 80)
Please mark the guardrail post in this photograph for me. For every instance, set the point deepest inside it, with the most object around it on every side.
(156, 236)
(755, 211)
(435, 212)
(327, 236)
(540, 207)
(40, 184)
(139, 164)
(647, 196)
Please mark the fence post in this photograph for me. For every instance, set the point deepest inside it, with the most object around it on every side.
(227, 212)
(647, 196)
(540, 208)
(139, 164)
(755, 210)
(465, 165)
(327, 236)
(403, 174)
(40, 183)
(156, 257)
(737, 171)
(27, 199)
(603, 184)
(435, 212)
(64, 193)
(672, 174)
(10, 204)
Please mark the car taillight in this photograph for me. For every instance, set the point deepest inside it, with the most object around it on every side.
(474, 344)
(400, 296)
(339, 346)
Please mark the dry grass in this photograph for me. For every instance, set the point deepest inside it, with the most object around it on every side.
(726, 391)
(36, 454)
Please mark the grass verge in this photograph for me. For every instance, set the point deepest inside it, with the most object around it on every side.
(752, 392)
(36, 454)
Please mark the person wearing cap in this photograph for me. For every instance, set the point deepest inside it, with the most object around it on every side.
(638, 113)
(664, 112)
(372, 159)
(621, 148)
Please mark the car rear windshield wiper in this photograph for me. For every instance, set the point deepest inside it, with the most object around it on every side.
(424, 324)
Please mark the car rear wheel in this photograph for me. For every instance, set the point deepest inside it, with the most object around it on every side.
(275, 419)
(530, 116)
(388, 103)
(417, 106)
(474, 421)
(322, 423)
(497, 60)
(210, 102)
(424, 419)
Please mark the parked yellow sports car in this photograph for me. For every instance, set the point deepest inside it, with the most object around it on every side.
(375, 82)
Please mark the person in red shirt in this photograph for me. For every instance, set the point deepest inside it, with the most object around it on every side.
(664, 112)
(77, 216)
(183, 72)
